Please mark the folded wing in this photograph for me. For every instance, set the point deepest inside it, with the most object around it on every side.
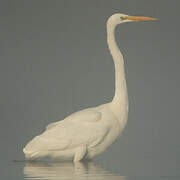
(83, 127)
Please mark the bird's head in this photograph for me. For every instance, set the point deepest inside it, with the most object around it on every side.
(117, 18)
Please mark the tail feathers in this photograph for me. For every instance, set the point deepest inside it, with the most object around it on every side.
(41, 147)
(35, 155)
(31, 150)
(36, 149)
(30, 154)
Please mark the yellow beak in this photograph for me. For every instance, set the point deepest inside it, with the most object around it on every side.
(139, 18)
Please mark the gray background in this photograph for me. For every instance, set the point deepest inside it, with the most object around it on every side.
(54, 61)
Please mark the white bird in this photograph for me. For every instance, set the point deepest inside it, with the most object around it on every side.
(87, 133)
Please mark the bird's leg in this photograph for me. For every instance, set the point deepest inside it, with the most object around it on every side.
(80, 153)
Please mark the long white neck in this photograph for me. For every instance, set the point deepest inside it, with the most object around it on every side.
(120, 100)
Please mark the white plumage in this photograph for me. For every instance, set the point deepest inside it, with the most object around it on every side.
(84, 133)
(87, 133)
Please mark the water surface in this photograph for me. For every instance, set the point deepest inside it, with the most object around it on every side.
(67, 171)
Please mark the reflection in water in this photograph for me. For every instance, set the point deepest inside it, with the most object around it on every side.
(68, 170)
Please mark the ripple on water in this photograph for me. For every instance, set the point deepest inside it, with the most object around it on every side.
(68, 170)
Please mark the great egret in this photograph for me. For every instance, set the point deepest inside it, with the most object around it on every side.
(87, 133)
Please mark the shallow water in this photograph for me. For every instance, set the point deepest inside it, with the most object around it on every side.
(66, 171)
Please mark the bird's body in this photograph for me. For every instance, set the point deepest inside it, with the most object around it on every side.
(89, 132)
(83, 134)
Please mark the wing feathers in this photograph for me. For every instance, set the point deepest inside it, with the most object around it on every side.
(40, 143)
(81, 128)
